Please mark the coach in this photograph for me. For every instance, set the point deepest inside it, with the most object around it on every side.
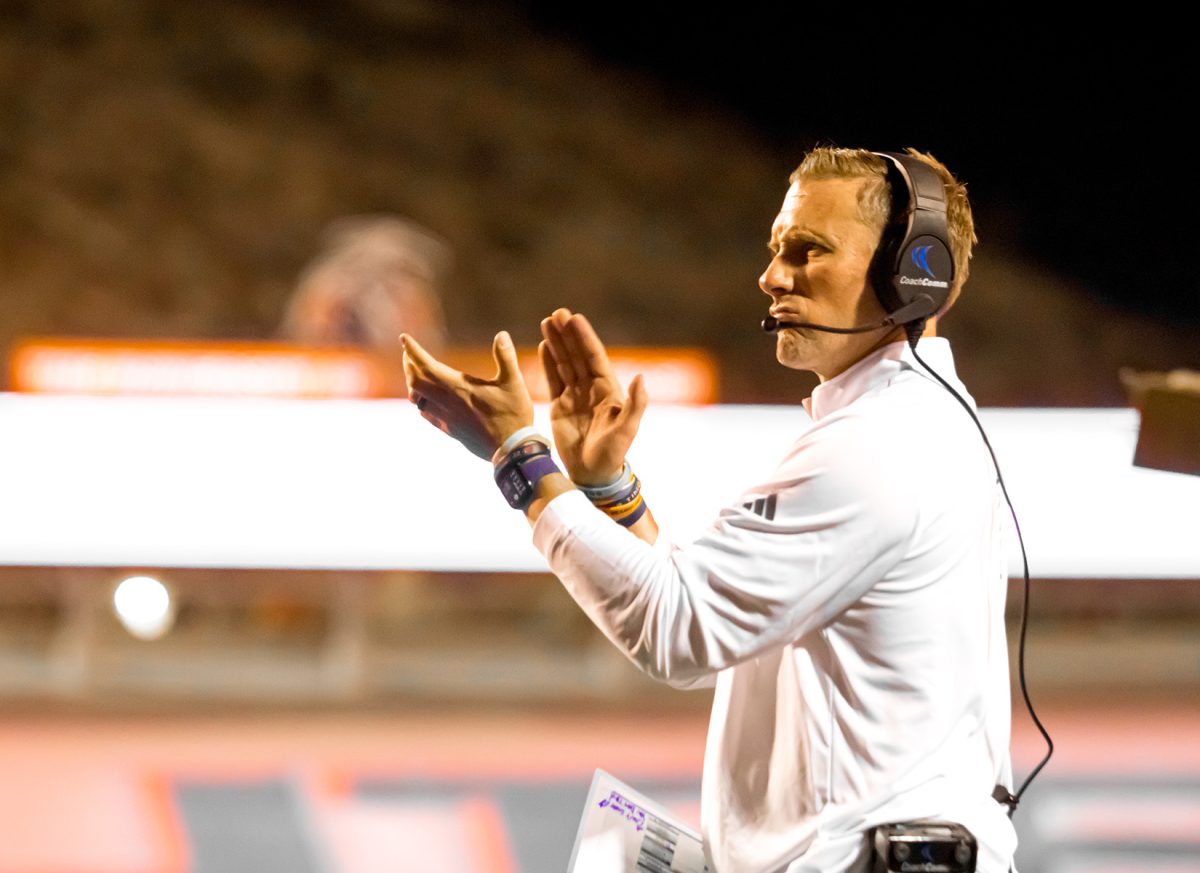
(850, 609)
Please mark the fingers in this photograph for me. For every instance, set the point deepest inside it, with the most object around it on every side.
(574, 347)
(630, 416)
(552, 330)
(508, 368)
(578, 354)
(553, 379)
(426, 364)
(432, 385)
(417, 372)
(585, 345)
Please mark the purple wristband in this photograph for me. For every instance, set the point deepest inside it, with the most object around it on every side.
(538, 468)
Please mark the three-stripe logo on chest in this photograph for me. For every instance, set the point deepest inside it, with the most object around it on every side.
(764, 506)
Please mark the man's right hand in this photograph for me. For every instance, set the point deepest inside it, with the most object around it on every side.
(594, 422)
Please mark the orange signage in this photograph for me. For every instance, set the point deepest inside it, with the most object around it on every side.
(227, 369)
(65, 366)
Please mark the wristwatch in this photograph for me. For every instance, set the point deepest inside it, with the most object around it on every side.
(518, 474)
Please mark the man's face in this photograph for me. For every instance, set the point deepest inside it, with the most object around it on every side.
(818, 273)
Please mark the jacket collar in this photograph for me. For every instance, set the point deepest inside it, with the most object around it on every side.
(879, 368)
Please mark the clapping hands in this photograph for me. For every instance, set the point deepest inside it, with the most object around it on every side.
(594, 421)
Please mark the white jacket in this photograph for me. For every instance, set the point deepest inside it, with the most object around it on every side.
(851, 610)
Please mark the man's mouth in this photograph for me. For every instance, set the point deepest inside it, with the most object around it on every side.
(785, 319)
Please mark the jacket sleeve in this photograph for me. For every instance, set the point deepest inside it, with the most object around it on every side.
(842, 519)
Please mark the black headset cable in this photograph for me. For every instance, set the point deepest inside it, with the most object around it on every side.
(1010, 800)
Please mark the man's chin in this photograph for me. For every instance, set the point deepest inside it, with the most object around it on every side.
(793, 349)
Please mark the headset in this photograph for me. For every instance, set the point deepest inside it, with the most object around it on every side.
(912, 271)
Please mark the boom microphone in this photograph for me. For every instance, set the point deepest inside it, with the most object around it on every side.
(771, 324)
(920, 307)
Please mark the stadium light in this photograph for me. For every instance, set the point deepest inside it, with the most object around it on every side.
(144, 606)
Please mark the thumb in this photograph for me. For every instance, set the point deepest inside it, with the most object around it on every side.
(508, 368)
(631, 412)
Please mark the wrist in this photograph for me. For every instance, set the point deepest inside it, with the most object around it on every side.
(547, 488)
(604, 488)
(621, 499)
(520, 470)
(596, 479)
(516, 437)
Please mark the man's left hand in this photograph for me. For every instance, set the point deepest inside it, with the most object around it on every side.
(479, 413)
(594, 422)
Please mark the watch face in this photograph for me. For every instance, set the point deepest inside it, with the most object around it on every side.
(519, 475)
(514, 486)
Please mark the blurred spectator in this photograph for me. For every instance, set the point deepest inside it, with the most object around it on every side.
(375, 277)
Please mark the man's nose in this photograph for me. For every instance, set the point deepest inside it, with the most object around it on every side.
(775, 280)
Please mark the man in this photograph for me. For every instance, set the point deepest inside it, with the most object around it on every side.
(850, 610)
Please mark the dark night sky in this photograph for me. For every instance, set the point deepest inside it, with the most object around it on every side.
(1072, 144)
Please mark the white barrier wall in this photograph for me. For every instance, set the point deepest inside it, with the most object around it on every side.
(153, 482)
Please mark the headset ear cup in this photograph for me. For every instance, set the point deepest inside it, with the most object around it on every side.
(913, 263)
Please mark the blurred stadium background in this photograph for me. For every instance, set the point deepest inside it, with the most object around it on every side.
(334, 687)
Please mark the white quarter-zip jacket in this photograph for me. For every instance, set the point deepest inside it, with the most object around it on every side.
(851, 612)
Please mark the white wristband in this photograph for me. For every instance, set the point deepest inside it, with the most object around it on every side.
(522, 435)
(610, 489)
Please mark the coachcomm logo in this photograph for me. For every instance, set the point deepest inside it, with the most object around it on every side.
(920, 255)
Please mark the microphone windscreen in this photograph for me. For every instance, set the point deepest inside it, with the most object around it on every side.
(770, 324)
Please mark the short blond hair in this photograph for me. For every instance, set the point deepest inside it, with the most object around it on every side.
(875, 198)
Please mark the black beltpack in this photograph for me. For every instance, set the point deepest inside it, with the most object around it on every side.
(923, 847)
